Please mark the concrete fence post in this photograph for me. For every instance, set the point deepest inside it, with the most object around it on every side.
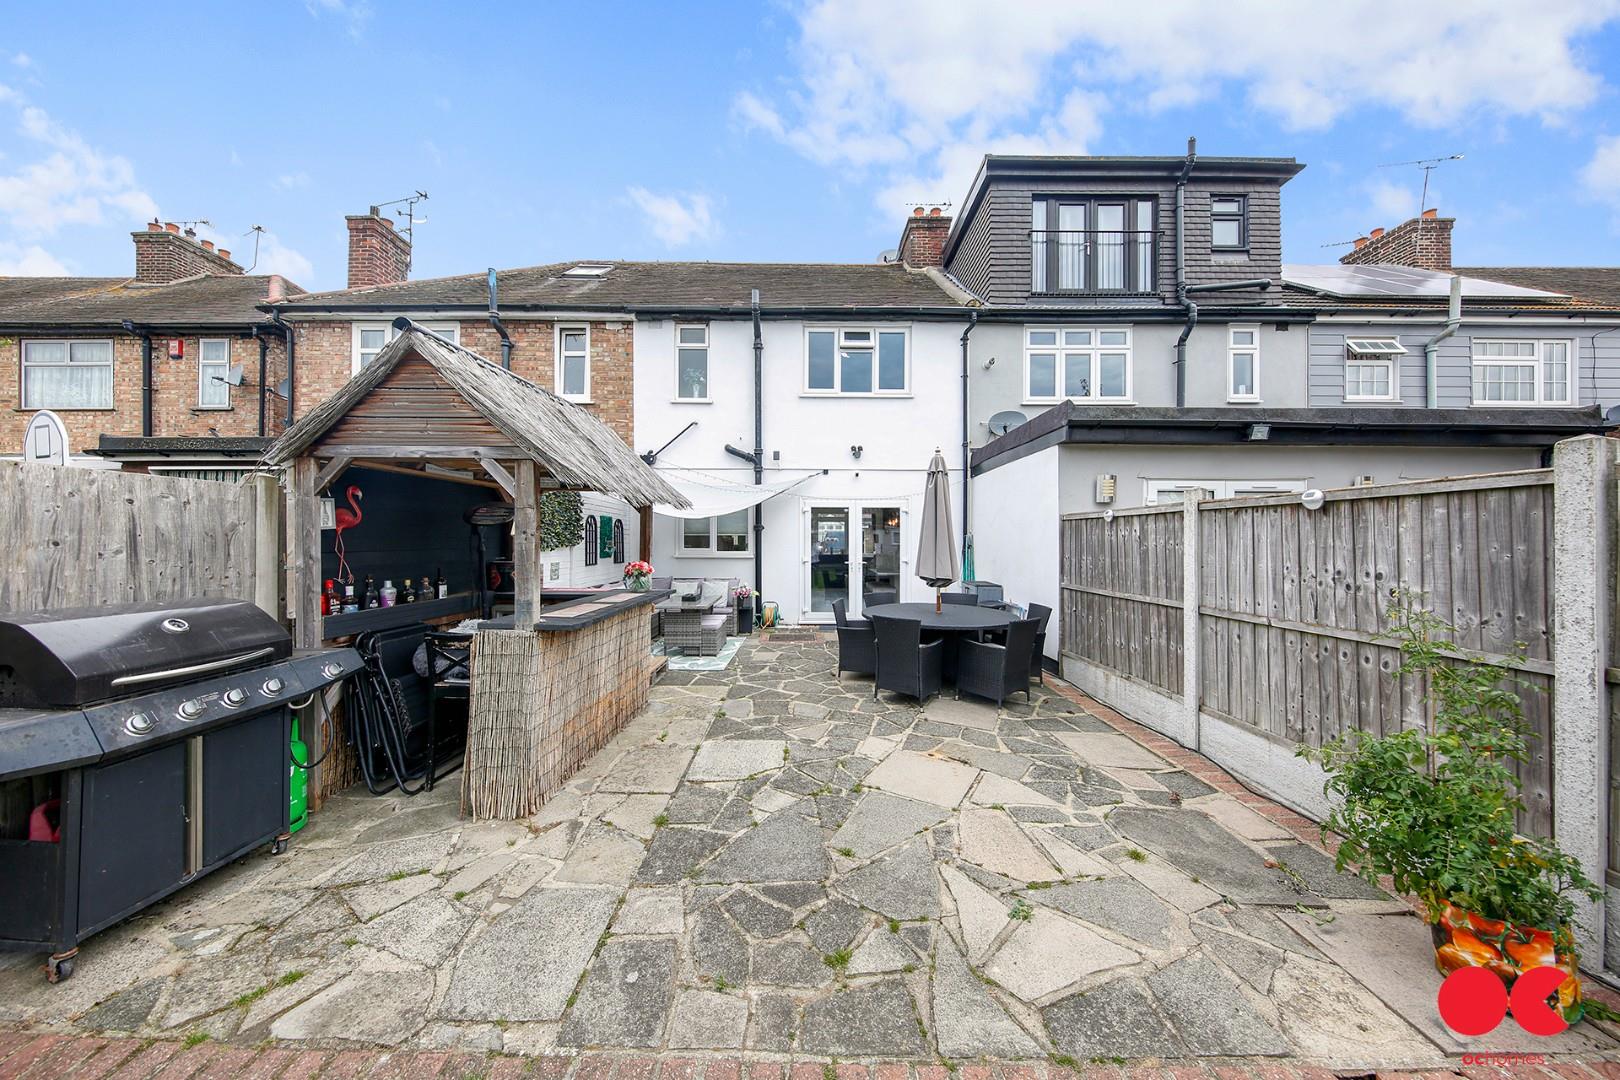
(1191, 599)
(1583, 472)
(267, 544)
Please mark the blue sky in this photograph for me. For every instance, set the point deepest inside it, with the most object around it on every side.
(777, 131)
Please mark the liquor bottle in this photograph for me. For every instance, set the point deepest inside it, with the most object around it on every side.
(440, 590)
(350, 604)
(389, 593)
(407, 595)
(424, 589)
(371, 599)
(330, 604)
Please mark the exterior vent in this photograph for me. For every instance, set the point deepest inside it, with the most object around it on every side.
(1107, 484)
(1365, 480)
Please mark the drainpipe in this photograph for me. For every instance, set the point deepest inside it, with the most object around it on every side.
(1181, 272)
(145, 335)
(759, 450)
(973, 320)
(1431, 348)
(500, 328)
(264, 373)
(287, 335)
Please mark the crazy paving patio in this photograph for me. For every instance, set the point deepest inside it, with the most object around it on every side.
(770, 865)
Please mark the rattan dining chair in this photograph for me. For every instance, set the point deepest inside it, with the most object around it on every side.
(904, 664)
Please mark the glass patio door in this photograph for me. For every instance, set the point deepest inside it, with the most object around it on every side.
(828, 562)
(879, 563)
(853, 555)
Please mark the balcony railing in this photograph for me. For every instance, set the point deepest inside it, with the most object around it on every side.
(1092, 260)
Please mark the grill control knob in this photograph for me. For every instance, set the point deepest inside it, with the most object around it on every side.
(234, 697)
(190, 710)
(272, 686)
(139, 724)
(331, 669)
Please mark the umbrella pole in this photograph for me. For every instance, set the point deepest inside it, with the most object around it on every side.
(937, 602)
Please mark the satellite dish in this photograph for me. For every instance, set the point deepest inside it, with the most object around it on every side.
(1005, 421)
(45, 440)
(233, 375)
(283, 388)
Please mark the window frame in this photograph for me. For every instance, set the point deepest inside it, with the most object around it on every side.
(708, 339)
(67, 343)
(1232, 351)
(1357, 352)
(1538, 363)
(559, 370)
(450, 329)
(1132, 249)
(713, 550)
(1241, 217)
(1060, 349)
(874, 345)
(203, 378)
(591, 535)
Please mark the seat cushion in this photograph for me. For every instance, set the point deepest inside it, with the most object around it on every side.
(685, 587)
(713, 622)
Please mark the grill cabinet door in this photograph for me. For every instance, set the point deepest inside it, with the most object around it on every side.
(133, 845)
(244, 789)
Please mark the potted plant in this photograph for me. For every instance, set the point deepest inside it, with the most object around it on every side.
(638, 575)
(743, 598)
(1435, 811)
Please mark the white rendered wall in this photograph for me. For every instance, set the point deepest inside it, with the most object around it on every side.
(1015, 532)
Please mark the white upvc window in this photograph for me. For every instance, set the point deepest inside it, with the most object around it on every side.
(726, 534)
(1077, 364)
(1243, 364)
(574, 362)
(213, 365)
(1372, 369)
(857, 361)
(692, 362)
(1523, 372)
(67, 375)
(369, 339)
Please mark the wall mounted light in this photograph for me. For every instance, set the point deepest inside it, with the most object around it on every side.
(990, 363)
(1312, 498)
(1259, 432)
(855, 452)
(1108, 516)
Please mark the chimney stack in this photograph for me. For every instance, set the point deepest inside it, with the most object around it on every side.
(1423, 242)
(922, 240)
(378, 254)
(164, 254)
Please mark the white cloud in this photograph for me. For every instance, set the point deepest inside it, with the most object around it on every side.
(355, 14)
(1600, 177)
(1390, 203)
(676, 219)
(30, 261)
(73, 183)
(900, 87)
(23, 60)
(296, 181)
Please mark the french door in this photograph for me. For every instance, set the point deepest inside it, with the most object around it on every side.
(853, 553)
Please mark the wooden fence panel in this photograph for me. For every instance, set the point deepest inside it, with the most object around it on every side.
(80, 537)
(1294, 603)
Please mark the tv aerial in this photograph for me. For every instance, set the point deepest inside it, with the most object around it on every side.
(408, 216)
(1428, 165)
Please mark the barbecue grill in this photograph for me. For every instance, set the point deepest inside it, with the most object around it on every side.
(141, 747)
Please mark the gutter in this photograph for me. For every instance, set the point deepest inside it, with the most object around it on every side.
(1431, 348)
(1181, 271)
(500, 327)
(292, 351)
(145, 334)
(973, 320)
(264, 373)
(759, 449)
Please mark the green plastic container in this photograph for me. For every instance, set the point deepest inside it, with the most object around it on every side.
(298, 807)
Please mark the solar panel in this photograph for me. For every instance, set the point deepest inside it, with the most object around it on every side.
(1386, 279)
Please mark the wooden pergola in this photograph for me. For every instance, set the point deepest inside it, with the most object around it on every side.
(427, 402)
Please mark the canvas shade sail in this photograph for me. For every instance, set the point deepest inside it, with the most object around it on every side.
(714, 496)
(936, 550)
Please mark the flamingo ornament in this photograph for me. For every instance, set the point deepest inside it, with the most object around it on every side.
(347, 518)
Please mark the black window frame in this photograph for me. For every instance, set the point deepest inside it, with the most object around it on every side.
(590, 540)
(1241, 217)
(1131, 247)
(618, 540)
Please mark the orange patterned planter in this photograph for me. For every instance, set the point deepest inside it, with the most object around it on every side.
(1464, 939)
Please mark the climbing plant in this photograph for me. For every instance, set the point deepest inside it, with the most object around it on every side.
(562, 520)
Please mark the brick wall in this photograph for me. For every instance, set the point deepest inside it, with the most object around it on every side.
(174, 394)
(326, 350)
(164, 254)
(1422, 242)
(922, 240)
(378, 253)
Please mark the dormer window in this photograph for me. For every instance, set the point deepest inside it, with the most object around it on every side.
(1091, 245)
(1229, 223)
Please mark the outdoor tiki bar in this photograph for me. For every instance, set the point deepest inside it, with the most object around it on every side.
(452, 455)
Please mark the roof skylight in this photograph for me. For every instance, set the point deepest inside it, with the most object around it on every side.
(587, 270)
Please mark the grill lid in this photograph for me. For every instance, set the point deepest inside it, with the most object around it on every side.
(79, 656)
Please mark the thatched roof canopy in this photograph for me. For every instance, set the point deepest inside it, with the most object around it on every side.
(570, 445)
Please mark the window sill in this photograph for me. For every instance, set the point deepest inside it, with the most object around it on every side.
(889, 394)
(691, 401)
(65, 408)
(577, 400)
(213, 408)
(711, 555)
(1043, 402)
(1243, 401)
(1240, 252)
(1523, 405)
(1372, 401)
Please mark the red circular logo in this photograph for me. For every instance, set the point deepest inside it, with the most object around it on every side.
(1473, 1001)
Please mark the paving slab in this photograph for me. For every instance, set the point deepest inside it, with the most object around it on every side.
(1239, 819)
(1110, 748)
(981, 916)
(502, 976)
(1316, 869)
(1048, 953)
(1121, 905)
(1011, 766)
(603, 856)
(392, 858)
(788, 963)
(647, 769)
(775, 1018)
(900, 885)
(785, 847)
(835, 924)
(968, 1021)
(880, 952)
(978, 715)
(658, 910)
(879, 1020)
(881, 820)
(1211, 1012)
(1115, 1020)
(362, 1008)
(919, 776)
(758, 918)
(736, 759)
(707, 1020)
(1071, 861)
(626, 996)
(676, 852)
(426, 930)
(638, 814)
(993, 790)
(993, 840)
(1250, 960)
(719, 950)
(1199, 847)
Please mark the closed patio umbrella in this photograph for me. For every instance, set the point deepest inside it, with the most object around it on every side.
(936, 551)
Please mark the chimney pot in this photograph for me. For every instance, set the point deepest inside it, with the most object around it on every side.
(208, 245)
(1361, 242)
(1431, 213)
(153, 226)
(1375, 234)
(224, 253)
(171, 227)
(917, 212)
(278, 289)
(933, 212)
(1423, 243)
